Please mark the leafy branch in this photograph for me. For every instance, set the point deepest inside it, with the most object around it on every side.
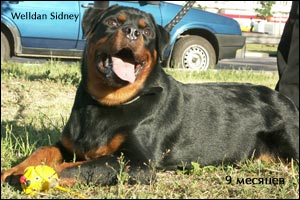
(265, 10)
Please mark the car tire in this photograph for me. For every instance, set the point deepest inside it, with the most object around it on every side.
(5, 48)
(193, 52)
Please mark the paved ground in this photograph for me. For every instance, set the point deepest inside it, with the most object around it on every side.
(249, 63)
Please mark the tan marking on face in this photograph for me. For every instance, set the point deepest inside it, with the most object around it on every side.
(122, 17)
(142, 23)
(101, 41)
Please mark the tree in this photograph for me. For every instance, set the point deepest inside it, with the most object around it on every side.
(265, 10)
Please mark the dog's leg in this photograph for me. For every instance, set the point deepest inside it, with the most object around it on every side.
(104, 171)
(49, 155)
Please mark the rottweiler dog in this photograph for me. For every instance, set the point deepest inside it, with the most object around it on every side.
(127, 107)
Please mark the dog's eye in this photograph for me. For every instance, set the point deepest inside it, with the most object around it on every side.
(112, 22)
(148, 33)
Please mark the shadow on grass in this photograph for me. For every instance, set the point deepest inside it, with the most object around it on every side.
(23, 141)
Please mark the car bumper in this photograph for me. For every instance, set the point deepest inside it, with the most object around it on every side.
(229, 44)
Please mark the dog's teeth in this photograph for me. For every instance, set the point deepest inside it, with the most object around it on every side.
(139, 68)
(108, 62)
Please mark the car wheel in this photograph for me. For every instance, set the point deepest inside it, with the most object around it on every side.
(5, 49)
(193, 52)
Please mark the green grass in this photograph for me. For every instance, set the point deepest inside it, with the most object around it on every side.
(256, 77)
(271, 49)
(36, 102)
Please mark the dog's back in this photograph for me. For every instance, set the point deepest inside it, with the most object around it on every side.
(228, 122)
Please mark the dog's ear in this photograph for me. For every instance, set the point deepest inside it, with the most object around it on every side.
(89, 20)
(92, 16)
(162, 39)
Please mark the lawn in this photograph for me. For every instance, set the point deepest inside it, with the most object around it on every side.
(270, 49)
(36, 101)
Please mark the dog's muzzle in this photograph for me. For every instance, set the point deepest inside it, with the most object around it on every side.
(122, 65)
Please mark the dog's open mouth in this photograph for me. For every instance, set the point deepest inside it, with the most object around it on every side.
(123, 64)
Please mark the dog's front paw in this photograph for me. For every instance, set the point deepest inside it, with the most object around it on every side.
(11, 176)
(5, 174)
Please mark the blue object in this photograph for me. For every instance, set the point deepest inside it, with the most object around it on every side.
(53, 28)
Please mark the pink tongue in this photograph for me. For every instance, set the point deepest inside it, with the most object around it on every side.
(123, 70)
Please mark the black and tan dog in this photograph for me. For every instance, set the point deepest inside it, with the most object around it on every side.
(126, 104)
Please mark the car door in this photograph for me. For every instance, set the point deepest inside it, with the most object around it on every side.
(46, 24)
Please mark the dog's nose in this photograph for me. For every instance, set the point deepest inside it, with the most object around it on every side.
(131, 33)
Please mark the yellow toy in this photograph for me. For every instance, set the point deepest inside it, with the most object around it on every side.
(41, 178)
